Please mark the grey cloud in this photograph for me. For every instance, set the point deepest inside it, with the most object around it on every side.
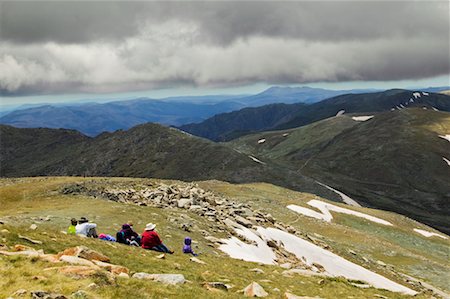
(60, 47)
(223, 21)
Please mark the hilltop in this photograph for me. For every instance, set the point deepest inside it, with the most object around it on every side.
(408, 259)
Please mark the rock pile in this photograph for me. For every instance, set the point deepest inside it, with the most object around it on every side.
(183, 196)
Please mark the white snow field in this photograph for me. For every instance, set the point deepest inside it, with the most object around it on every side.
(325, 214)
(257, 252)
(362, 118)
(416, 95)
(446, 137)
(345, 198)
(261, 141)
(429, 234)
(303, 250)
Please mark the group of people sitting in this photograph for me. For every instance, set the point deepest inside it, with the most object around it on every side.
(148, 240)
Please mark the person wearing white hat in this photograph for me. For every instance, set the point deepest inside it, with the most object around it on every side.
(151, 240)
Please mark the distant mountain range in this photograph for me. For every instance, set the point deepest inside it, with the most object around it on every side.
(227, 126)
(93, 118)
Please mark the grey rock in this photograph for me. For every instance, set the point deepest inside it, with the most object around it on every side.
(163, 278)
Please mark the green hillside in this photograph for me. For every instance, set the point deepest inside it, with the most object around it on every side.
(148, 150)
(393, 161)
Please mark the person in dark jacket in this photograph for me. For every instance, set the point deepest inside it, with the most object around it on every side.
(152, 241)
(128, 236)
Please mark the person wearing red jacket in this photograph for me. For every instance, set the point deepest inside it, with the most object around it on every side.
(151, 240)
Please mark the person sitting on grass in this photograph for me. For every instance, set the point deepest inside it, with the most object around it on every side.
(72, 228)
(152, 241)
(86, 229)
(187, 248)
(128, 236)
(106, 237)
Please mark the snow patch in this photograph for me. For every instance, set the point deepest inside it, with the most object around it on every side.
(435, 109)
(428, 233)
(325, 214)
(425, 93)
(416, 95)
(411, 100)
(257, 252)
(446, 160)
(285, 134)
(333, 264)
(340, 112)
(446, 137)
(256, 160)
(345, 198)
(261, 141)
(362, 118)
(402, 106)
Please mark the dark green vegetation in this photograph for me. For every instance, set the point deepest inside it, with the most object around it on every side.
(393, 161)
(231, 125)
(148, 150)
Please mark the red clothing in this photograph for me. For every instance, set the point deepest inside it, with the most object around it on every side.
(150, 239)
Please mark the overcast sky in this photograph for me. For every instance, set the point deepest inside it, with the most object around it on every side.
(114, 47)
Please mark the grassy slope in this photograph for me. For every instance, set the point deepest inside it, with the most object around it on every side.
(23, 199)
(393, 161)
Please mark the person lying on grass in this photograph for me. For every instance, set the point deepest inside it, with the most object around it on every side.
(151, 240)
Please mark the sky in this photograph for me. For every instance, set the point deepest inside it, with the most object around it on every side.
(61, 51)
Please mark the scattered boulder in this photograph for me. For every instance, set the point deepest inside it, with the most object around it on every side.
(196, 260)
(80, 294)
(257, 270)
(33, 226)
(123, 275)
(114, 269)
(74, 260)
(4, 231)
(85, 253)
(163, 278)
(75, 271)
(161, 256)
(255, 290)
(214, 240)
(286, 265)
(46, 295)
(29, 240)
(215, 286)
(243, 221)
(20, 292)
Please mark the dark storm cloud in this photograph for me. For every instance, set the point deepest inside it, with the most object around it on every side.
(106, 46)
